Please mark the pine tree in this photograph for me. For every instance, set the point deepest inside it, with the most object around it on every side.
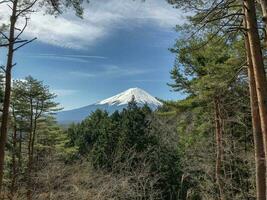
(227, 18)
(206, 77)
(21, 9)
(33, 101)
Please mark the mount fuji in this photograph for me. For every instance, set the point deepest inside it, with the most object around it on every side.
(117, 102)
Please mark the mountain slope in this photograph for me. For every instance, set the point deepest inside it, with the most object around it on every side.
(117, 102)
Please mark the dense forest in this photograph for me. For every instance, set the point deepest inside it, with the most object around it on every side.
(210, 145)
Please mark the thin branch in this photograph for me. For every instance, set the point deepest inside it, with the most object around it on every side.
(17, 29)
(55, 5)
(16, 42)
(224, 17)
(25, 44)
(214, 35)
(23, 29)
(27, 8)
(4, 35)
(5, 1)
(240, 69)
(4, 45)
(3, 68)
(10, 7)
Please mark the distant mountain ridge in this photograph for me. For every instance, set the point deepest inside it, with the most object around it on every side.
(117, 102)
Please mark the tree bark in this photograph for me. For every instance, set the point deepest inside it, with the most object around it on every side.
(30, 164)
(30, 156)
(219, 146)
(20, 151)
(258, 65)
(30, 161)
(14, 162)
(257, 132)
(6, 103)
(13, 187)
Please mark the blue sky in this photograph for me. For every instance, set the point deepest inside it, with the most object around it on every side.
(119, 44)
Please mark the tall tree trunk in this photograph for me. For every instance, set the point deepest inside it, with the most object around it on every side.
(6, 103)
(14, 162)
(20, 151)
(30, 162)
(257, 132)
(13, 187)
(219, 146)
(258, 65)
(30, 155)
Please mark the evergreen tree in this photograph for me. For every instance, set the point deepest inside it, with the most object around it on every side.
(210, 80)
(125, 143)
(240, 18)
(32, 103)
(21, 10)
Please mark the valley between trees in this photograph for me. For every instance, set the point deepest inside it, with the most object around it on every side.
(209, 146)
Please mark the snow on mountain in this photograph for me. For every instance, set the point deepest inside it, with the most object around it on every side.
(140, 96)
(117, 102)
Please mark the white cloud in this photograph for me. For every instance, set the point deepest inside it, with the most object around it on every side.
(66, 57)
(110, 71)
(115, 71)
(101, 17)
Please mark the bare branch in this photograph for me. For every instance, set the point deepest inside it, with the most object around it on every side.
(4, 45)
(23, 29)
(3, 68)
(24, 44)
(27, 8)
(10, 7)
(224, 17)
(214, 35)
(5, 1)
(4, 35)
(17, 29)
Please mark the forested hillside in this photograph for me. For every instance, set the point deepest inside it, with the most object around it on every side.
(209, 145)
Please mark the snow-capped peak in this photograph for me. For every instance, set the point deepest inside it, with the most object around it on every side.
(140, 96)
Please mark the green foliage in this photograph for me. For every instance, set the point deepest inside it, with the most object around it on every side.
(126, 141)
(52, 140)
(208, 71)
(32, 97)
(104, 136)
(33, 134)
(135, 128)
(196, 149)
(204, 74)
